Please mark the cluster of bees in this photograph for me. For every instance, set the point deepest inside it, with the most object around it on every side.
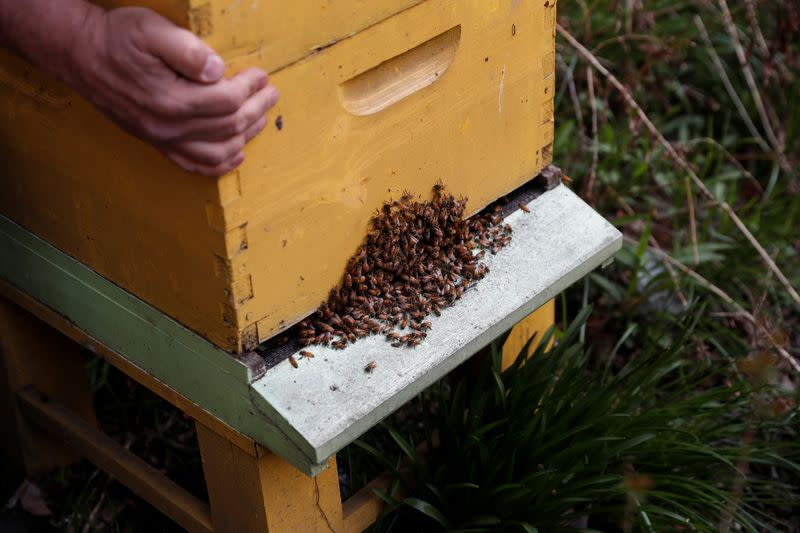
(417, 259)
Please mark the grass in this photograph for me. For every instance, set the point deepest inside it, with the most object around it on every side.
(671, 405)
(554, 445)
(693, 336)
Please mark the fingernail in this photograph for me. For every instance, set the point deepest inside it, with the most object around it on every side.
(213, 69)
(238, 159)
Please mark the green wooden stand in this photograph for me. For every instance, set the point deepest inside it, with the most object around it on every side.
(255, 421)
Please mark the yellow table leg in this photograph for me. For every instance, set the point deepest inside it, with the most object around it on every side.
(265, 493)
(34, 354)
(534, 324)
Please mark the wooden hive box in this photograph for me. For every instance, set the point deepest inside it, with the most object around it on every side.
(378, 97)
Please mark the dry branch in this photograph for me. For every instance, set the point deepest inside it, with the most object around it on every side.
(680, 161)
(702, 281)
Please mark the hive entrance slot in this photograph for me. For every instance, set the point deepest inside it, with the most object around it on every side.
(280, 347)
(401, 76)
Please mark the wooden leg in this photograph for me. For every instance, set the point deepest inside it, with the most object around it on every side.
(264, 493)
(34, 354)
(535, 323)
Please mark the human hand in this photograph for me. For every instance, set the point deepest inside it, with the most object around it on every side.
(164, 85)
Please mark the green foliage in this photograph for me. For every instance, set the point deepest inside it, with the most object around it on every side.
(551, 445)
(681, 416)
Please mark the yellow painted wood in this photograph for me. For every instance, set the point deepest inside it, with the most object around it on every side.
(81, 338)
(278, 32)
(363, 508)
(537, 323)
(265, 493)
(457, 90)
(31, 353)
(482, 127)
(109, 200)
(71, 429)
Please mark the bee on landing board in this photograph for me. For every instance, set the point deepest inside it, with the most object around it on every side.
(418, 258)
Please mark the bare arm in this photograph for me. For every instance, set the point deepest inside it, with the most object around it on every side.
(45, 32)
(155, 80)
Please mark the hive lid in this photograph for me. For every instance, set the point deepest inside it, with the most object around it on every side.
(330, 400)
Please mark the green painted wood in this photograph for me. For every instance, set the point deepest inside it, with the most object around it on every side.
(299, 413)
(154, 342)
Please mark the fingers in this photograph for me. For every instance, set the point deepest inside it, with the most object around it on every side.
(214, 159)
(222, 98)
(181, 50)
(224, 127)
(214, 153)
(166, 86)
(194, 61)
(212, 171)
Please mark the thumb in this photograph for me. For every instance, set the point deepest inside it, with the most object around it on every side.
(183, 51)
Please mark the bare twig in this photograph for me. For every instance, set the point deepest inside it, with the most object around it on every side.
(727, 20)
(569, 79)
(726, 81)
(671, 9)
(654, 243)
(629, 13)
(622, 40)
(742, 469)
(752, 18)
(680, 161)
(587, 17)
(690, 144)
(692, 220)
(89, 525)
(727, 299)
(595, 140)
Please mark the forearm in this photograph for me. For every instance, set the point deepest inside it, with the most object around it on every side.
(47, 32)
(156, 80)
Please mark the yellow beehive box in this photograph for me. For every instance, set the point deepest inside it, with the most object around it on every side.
(401, 94)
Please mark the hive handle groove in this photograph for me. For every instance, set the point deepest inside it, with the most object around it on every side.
(401, 76)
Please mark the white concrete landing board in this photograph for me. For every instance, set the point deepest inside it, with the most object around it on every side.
(329, 401)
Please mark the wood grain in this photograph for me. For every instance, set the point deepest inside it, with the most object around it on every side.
(79, 338)
(535, 324)
(131, 471)
(363, 508)
(278, 33)
(266, 493)
(298, 413)
(145, 337)
(32, 353)
(481, 127)
(329, 401)
(240, 258)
